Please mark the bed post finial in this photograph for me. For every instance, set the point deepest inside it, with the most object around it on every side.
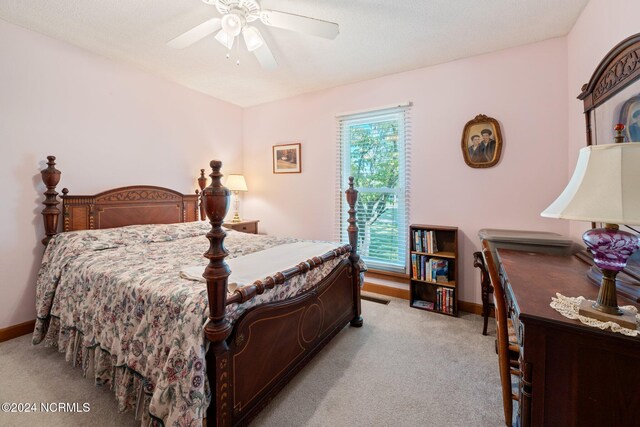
(352, 198)
(352, 230)
(202, 182)
(215, 199)
(51, 213)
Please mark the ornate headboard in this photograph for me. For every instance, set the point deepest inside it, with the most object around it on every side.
(134, 205)
(141, 204)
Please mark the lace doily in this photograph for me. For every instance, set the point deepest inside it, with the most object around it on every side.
(568, 307)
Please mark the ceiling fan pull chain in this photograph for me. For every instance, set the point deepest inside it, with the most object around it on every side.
(238, 51)
(228, 55)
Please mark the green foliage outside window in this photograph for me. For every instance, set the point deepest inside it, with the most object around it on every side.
(374, 160)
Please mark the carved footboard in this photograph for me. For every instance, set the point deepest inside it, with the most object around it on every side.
(269, 344)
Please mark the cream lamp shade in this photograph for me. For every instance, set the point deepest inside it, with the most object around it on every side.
(605, 186)
(236, 183)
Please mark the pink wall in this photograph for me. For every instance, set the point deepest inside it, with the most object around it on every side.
(119, 125)
(602, 25)
(109, 125)
(524, 88)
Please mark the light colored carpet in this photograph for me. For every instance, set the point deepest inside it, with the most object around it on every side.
(404, 367)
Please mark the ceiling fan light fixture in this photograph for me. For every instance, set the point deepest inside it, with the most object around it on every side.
(236, 14)
(225, 39)
(252, 38)
(232, 24)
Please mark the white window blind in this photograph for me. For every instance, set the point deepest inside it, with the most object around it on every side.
(373, 147)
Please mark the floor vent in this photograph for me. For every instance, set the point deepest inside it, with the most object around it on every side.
(375, 299)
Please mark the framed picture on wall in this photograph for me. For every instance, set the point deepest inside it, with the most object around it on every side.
(482, 142)
(286, 158)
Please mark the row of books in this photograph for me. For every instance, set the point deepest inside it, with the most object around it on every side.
(425, 241)
(430, 269)
(444, 302)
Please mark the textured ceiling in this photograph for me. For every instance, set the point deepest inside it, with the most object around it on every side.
(377, 37)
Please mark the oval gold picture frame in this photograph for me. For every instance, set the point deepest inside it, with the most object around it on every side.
(482, 142)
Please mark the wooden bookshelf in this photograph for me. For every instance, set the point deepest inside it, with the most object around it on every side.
(433, 268)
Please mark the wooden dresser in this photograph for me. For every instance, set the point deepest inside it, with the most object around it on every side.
(572, 374)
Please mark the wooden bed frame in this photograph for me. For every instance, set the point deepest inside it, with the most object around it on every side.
(241, 379)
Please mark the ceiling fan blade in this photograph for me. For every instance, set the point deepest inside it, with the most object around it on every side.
(301, 24)
(265, 57)
(195, 34)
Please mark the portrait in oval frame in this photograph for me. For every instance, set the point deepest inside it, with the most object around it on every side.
(482, 142)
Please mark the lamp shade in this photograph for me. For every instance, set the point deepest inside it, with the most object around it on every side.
(605, 186)
(236, 183)
(252, 38)
(225, 39)
(231, 24)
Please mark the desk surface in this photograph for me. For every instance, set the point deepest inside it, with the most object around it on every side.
(536, 277)
(572, 375)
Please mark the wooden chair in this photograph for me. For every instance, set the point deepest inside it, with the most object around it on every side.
(508, 349)
(486, 288)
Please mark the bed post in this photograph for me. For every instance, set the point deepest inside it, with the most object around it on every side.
(352, 230)
(51, 213)
(202, 182)
(215, 199)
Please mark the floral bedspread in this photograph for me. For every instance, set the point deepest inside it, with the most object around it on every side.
(113, 301)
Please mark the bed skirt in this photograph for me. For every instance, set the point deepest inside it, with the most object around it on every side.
(132, 391)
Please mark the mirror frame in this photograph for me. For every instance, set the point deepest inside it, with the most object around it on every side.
(619, 68)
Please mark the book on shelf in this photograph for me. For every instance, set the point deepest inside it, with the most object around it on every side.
(434, 243)
(432, 246)
(414, 266)
(438, 270)
(425, 241)
(417, 240)
(423, 304)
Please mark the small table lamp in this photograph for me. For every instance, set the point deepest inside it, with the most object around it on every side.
(236, 183)
(605, 187)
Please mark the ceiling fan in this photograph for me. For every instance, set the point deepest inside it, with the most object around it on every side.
(236, 16)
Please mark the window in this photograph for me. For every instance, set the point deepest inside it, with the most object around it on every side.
(373, 148)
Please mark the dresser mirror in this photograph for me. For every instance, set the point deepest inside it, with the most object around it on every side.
(612, 96)
(613, 93)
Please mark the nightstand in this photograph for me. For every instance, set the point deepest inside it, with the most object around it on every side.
(245, 226)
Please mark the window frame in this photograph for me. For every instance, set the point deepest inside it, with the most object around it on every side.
(401, 114)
